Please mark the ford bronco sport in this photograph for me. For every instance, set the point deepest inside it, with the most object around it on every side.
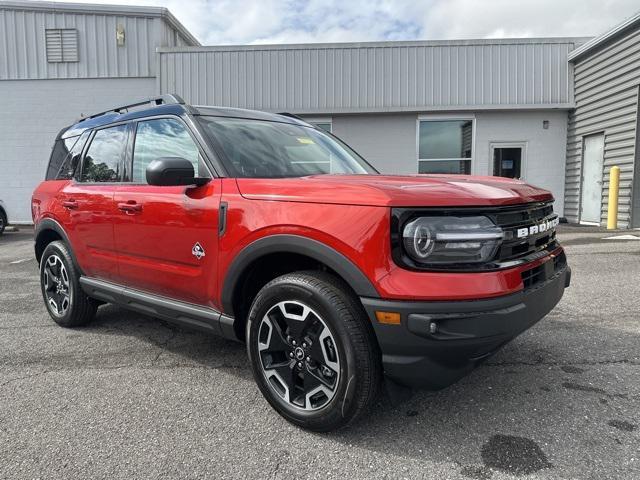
(261, 228)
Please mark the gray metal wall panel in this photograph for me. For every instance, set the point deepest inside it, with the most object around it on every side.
(377, 77)
(22, 40)
(606, 95)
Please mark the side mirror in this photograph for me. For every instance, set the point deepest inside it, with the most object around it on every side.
(172, 171)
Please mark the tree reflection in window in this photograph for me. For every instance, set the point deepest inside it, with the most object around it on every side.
(103, 159)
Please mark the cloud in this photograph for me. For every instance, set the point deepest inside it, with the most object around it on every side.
(219, 22)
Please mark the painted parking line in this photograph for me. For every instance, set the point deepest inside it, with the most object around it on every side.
(20, 261)
(622, 237)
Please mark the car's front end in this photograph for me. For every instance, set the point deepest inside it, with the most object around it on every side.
(490, 274)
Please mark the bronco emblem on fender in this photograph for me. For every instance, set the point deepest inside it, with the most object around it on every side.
(198, 251)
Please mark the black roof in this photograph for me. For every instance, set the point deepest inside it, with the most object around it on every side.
(170, 104)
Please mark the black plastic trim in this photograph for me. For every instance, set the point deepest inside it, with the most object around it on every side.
(402, 215)
(50, 224)
(222, 218)
(415, 353)
(183, 313)
(299, 245)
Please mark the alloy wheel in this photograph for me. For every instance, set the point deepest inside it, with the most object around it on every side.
(56, 285)
(298, 355)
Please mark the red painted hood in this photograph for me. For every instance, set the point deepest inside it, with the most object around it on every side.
(394, 190)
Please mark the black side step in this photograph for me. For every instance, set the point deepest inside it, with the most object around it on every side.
(182, 313)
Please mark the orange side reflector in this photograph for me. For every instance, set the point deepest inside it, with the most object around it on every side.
(390, 318)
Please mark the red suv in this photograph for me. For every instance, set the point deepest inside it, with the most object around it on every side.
(263, 229)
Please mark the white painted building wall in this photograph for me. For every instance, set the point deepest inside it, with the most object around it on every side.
(33, 112)
(544, 165)
(389, 142)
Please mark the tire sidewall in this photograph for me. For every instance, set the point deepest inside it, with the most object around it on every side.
(58, 249)
(340, 405)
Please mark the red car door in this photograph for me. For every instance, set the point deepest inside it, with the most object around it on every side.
(167, 237)
(89, 202)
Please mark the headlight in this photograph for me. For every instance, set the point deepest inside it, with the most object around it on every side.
(445, 240)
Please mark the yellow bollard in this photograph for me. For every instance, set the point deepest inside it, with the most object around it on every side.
(614, 184)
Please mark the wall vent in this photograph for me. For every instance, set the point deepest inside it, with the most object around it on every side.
(62, 45)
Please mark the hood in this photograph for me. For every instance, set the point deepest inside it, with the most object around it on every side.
(394, 190)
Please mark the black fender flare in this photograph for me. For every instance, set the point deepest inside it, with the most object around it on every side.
(283, 243)
(50, 224)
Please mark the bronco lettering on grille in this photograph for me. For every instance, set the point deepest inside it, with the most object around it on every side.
(548, 224)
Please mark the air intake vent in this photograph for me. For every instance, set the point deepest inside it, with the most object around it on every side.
(62, 45)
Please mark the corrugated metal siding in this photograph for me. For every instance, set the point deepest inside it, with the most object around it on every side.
(606, 95)
(23, 51)
(170, 37)
(373, 77)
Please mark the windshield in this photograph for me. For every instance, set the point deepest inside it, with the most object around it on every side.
(264, 149)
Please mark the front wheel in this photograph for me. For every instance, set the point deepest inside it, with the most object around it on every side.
(313, 354)
(66, 303)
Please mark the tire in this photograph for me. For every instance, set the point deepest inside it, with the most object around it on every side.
(58, 275)
(312, 350)
(3, 221)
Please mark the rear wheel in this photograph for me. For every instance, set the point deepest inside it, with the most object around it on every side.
(313, 354)
(66, 303)
(3, 221)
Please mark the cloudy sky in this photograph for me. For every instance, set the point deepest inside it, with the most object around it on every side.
(216, 22)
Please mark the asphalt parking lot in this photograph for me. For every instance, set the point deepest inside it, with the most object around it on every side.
(133, 397)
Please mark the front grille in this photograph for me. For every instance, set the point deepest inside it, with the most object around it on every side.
(524, 217)
(540, 274)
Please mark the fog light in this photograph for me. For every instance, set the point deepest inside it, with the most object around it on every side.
(388, 318)
(433, 327)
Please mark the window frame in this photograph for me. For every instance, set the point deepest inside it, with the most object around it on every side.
(78, 176)
(316, 120)
(128, 177)
(446, 118)
(522, 144)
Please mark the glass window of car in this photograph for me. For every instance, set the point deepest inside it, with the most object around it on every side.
(65, 155)
(265, 149)
(103, 160)
(163, 137)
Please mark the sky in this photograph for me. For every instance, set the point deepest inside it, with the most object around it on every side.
(228, 22)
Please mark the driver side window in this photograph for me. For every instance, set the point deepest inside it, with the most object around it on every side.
(163, 137)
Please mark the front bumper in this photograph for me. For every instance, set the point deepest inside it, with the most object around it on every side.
(437, 343)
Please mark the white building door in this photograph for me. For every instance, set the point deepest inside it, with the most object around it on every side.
(592, 162)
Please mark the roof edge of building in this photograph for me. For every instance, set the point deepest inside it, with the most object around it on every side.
(105, 9)
(410, 43)
(600, 40)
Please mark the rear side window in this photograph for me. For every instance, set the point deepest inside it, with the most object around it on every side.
(163, 137)
(64, 157)
(103, 160)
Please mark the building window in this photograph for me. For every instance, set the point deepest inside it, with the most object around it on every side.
(61, 44)
(323, 123)
(445, 146)
(508, 159)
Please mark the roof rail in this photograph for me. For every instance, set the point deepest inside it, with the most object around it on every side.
(291, 115)
(167, 99)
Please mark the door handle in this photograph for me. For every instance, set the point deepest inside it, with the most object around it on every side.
(130, 207)
(71, 204)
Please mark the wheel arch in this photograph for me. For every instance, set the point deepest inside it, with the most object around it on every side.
(47, 231)
(299, 251)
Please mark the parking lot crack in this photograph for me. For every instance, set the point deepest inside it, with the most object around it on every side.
(24, 377)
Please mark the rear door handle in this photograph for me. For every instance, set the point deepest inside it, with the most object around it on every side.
(71, 204)
(130, 207)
